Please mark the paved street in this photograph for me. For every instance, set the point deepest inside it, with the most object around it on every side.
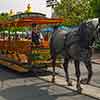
(14, 86)
(96, 73)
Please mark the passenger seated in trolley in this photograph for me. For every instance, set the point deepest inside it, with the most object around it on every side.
(37, 37)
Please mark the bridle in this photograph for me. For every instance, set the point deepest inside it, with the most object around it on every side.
(97, 35)
(98, 31)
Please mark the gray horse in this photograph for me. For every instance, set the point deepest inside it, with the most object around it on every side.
(75, 45)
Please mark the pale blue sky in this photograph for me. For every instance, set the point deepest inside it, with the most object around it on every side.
(20, 5)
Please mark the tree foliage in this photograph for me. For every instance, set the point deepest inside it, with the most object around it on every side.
(95, 4)
(74, 11)
(4, 16)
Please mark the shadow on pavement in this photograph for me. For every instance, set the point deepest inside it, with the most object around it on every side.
(39, 90)
(6, 73)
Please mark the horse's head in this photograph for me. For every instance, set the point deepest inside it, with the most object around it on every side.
(90, 30)
(94, 26)
(98, 30)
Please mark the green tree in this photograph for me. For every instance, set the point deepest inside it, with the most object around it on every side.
(4, 16)
(74, 11)
(95, 5)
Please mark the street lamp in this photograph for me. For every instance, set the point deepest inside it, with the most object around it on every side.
(51, 3)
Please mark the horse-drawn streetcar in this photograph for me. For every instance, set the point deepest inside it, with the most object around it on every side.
(16, 48)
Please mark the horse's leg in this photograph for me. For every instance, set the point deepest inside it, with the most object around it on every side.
(66, 72)
(53, 66)
(77, 69)
(90, 72)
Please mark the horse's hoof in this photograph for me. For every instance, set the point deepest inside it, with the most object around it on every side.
(79, 89)
(53, 80)
(69, 83)
(84, 81)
